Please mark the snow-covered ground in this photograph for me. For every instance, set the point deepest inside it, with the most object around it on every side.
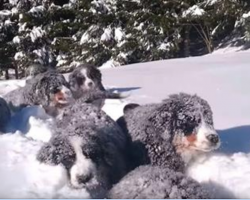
(222, 79)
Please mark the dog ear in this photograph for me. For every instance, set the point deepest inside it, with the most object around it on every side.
(130, 107)
(47, 154)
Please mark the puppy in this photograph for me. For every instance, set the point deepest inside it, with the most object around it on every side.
(171, 133)
(91, 147)
(48, 89)
(85, 78)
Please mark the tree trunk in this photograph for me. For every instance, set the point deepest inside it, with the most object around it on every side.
(16, 71)
(187, 41)
(7, 74)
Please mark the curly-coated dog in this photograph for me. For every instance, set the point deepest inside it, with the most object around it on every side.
(5, 115)
(157, 182)
(84, 78)
(90, 145)
(47, 89)
(170, 133)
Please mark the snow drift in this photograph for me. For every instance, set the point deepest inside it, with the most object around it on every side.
(222, 79)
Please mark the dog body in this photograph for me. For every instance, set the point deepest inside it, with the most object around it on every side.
(90, 145)
(170, 133)
(155, 182)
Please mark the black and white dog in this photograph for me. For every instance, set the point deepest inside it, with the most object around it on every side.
(86, 78)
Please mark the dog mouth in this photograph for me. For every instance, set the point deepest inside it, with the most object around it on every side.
(193, 142)
(61, 99)
(206, 147)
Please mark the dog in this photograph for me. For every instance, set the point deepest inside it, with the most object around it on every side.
(171, 133)
(48, 89)
(84, 78)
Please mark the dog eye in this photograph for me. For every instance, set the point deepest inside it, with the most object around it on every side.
(80, 80)
(54, 90)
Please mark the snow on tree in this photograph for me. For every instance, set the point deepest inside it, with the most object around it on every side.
(64, 33)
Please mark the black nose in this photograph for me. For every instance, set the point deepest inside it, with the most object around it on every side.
(213, 138)
(90, 84)
(84, 178)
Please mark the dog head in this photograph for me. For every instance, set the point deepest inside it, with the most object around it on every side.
(75, 154)
(189, 123)
(50, 89)
(84, 78)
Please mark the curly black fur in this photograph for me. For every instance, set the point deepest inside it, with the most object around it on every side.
(103, 142)
(155, 182)
(153, 128)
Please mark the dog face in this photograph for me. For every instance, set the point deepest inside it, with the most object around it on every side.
(51, 89)
(75, 154)
(193, 122)
(85, 78)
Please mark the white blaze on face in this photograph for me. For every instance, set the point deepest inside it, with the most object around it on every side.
(66, 94)
(83, 166)
(88, 81)
(202, 142)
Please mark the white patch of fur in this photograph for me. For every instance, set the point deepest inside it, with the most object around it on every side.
(202, 143)
(87, 79)
(83, 166)
(67, 95)
(200, 146)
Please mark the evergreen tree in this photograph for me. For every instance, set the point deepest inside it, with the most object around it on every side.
(62, 33)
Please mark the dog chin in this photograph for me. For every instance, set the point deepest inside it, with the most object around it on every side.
(207, 147)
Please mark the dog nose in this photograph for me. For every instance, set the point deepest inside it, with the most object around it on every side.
(213, 138)
(84, 178)
(90, 84)
(63, 96)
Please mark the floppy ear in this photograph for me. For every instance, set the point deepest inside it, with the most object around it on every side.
(95, 73)
(47, 154)
(130, 107)
(162, 119)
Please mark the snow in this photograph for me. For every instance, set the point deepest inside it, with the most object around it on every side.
(246, 15)
(5, 13)
(16, 39)
(13, 2)
(164, 46)
(7, 86)
(85, 37)
(119, 34)
(14, 11)
(221, 79)
(107, 34)
(37, 10)
(211, 2)
(109, 64)
(19, 55)
(36, 32)
(193, 11)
